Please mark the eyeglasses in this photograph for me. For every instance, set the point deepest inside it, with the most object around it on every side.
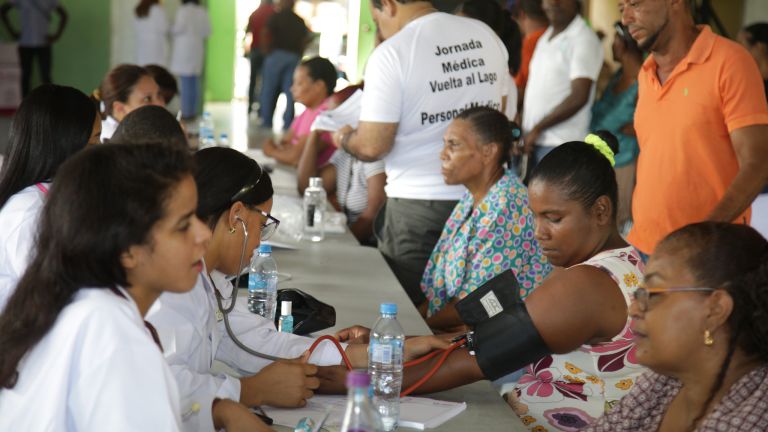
(270, 226)
(643, 294)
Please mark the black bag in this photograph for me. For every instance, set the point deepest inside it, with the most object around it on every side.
(489, 299)
(309, 314)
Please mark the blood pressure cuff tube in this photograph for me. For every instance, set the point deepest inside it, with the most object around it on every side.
(507, 342)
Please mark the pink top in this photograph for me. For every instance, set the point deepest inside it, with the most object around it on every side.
(301, 127)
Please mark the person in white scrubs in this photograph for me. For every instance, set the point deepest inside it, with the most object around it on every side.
(190, 30)
(76, 354)
(125, 88)
(53, 123)
(151, 27)
(233, 192)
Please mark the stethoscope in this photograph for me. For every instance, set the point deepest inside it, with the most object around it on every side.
(225, 311)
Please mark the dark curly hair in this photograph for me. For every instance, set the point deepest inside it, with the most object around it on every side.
(734, 258)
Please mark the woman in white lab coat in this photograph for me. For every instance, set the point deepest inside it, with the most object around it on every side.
(234, 193)
(190, 30)
(125, 88)
(150, 25)
(52, 123)
(76, 355)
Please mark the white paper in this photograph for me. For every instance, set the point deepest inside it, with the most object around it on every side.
(348, 113)
(415, 412)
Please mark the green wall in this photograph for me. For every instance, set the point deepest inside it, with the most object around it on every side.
(81, 56)
(367, 39)
(220, 56)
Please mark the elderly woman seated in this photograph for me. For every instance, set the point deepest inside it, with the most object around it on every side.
(491, 228)
(701, 326)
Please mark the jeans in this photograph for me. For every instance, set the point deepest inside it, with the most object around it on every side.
(277, 77)
(26, 57)
(190, 91)
(539, 152)
(257, 63)
(533, 159)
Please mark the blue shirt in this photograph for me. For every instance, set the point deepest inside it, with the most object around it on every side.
(35, 19)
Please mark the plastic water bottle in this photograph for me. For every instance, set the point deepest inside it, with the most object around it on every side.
(314, 210)
(360, 416)
(223, 140)
(285, 324)
(207, 140)
(385, 364)
(262, 283)
(206, 127)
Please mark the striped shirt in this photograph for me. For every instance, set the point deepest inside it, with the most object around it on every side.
(352, 182)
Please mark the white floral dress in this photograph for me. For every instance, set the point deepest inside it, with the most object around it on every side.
(567, 392)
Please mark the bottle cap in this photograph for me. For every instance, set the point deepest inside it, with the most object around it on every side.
(285, 308)
(357, 378)
(388, 308)
(265, 248)
(316, 182)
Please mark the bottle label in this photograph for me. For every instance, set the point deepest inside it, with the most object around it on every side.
(256, 282)
(310, 215)
(381, 353)
(285, 324)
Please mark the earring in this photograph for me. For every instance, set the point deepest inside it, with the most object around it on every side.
(708, 339)
(231, 230)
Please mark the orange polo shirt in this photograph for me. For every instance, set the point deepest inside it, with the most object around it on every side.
(687, 160)
(529, 45)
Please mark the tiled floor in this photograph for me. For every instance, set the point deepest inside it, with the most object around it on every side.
(243, 130)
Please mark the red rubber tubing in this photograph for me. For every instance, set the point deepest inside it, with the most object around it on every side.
(338, 346)
(444, 353)
(434, 369)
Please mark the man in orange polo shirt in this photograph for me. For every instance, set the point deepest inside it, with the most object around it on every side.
(701, 121)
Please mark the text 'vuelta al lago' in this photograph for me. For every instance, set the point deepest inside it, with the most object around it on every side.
(460, 65)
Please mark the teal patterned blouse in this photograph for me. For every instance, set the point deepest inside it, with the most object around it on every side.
(612, 112)
(478, 244)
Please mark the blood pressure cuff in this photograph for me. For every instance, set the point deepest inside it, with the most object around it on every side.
(492, 297)
(504, 338)
(309, 314)
(507, 342)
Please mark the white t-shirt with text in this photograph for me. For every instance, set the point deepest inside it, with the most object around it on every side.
(421, 78)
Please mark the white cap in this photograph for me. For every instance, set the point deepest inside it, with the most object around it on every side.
(285, 308)
(316, 182)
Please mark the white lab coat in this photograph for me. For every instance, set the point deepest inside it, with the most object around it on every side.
(108, 127)
(152, 37)
(97, 369)
(190, 29)
(19, 221)
(193, 335)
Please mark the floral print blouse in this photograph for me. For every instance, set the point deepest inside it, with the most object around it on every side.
(478, 244)
(570, 391)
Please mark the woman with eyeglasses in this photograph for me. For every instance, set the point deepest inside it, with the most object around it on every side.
(235, 194)
(701, 326)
